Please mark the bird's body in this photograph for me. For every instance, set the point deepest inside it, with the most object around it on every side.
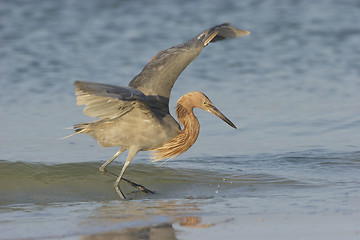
(137, 118)
(112, 132)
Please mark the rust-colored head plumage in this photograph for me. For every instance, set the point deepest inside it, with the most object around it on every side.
(191, 127)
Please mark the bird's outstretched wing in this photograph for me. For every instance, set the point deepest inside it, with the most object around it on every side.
(107, 101)
(159, 75)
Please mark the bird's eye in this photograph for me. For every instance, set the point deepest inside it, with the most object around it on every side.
(205, 102)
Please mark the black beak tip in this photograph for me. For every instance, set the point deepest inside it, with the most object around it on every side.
(233, 125)
(216, 112)
(229, 122)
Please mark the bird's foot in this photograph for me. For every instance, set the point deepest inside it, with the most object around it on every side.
(119, 192)
(138, 186)
(102, 170)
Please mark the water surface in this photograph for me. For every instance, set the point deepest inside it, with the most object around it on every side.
(291, 170)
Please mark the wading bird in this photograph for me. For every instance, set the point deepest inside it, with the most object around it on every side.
(137, 118)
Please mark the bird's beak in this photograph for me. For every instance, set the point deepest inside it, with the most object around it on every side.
(212, 109)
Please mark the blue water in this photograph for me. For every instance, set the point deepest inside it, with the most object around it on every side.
(291, 170)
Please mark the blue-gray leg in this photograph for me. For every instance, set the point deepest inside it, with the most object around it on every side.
(102, 169)
(131, 155)
(116, 184)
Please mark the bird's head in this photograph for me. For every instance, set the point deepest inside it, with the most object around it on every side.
(200, 100)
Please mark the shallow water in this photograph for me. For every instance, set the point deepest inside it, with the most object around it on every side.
(291, 170)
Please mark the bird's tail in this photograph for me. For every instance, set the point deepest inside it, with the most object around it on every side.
(78, 128)
(221, 32)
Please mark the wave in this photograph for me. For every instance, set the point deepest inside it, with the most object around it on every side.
(22, 182)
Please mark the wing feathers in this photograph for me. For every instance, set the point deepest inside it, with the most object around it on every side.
(153, 85)
(107, 101)
(228, 31)
(159, 75)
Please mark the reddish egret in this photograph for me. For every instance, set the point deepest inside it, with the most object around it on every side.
(137, 118)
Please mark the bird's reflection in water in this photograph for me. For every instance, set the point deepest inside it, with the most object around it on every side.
(194, 222)
(163, 231)
(157, 219)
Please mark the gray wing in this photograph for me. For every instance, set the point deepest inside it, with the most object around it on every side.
(159, 75)
(107, 101)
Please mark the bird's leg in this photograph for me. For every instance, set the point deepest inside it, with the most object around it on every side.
(102, 169)
(131, 155)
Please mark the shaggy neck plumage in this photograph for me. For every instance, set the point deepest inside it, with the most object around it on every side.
(186, 138)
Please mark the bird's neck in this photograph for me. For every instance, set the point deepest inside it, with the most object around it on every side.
(190, 123)
(187, 136)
